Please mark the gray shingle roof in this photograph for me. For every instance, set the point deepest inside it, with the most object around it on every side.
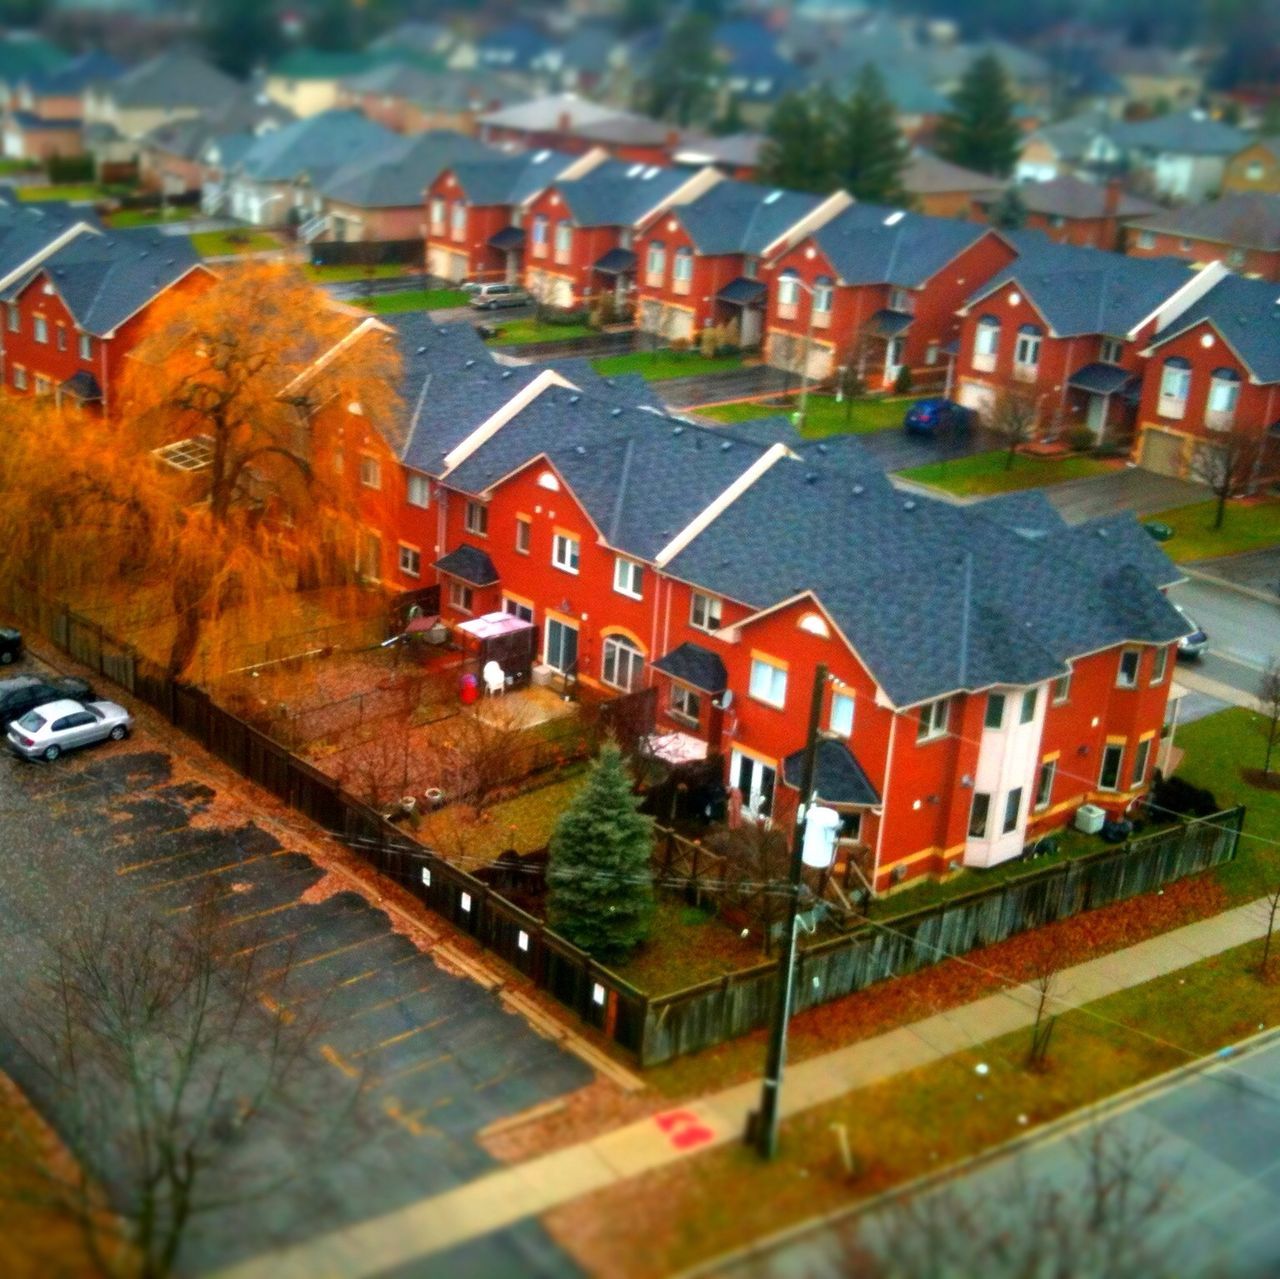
(316, 145)
(1073, 138)
(1247, 314)
(929, 174)
(511, 179)
(25, 229)
(1068, 196)
(247, 113)
(1085, 291)
(173, 80)
(1182, 133)
(838, 777)
(619, 194)
(740, 217)
(1246, 219)
(696, 666)
(397, 175)
(470, 564)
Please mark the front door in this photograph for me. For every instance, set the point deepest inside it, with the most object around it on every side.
(894, 354)
(755, 780)
(749, 335)
(562, 647)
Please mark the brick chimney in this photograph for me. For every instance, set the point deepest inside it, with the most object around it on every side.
(1111, 201)
(565, 122)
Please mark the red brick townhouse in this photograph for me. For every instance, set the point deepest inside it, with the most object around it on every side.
(72, 317)
(1212, 378)
(581, 231)
(476, 211)
(699, 264)
(878, 288)
(1066, 327)
(648, 550)
(1242, 230)
(1071, 210)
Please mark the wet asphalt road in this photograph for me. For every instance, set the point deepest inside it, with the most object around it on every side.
(439, 1058)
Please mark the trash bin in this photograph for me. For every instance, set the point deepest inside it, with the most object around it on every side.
(1161, 532)
(468, 689)
(1089, 818)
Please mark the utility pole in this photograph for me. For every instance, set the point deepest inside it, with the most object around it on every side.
(765, 1120)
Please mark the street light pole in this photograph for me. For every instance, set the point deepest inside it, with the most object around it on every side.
(766, 1118)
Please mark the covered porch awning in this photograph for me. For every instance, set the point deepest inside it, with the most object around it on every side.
(838, 777)
(616, 262)
(82, 386)
(696, 666)
(1102, 379)
(889, 324)
(742, 292)
(469, 564)
(510, 237)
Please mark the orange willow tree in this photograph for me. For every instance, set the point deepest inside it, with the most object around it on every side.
(262, 371)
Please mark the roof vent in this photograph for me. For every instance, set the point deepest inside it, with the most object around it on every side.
(573, 399)
(895, 217)
(442, 331)
(541, 157)
(725, 445)
(811, 477)
(468, 363)
(635, 170)
(773, 197)
(822, 448)
(422, 350)
(858, 490)
(651, 172)
(909, 504)
(580, 450)
(677, 430)
(616, 412)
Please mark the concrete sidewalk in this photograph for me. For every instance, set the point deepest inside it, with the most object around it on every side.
(500, 1199)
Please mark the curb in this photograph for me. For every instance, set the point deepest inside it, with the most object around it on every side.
(1200, 575)
(760, 1250)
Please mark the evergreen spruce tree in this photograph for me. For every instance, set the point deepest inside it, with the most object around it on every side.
(683, 72)
(797, 150)
(599, 876)
(1009, 212)
(870, 151)
(980, 132)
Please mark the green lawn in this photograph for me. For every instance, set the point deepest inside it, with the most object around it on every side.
(216, 244)
(686, 946)
(70, 191)
(659, 365)
(414, 300)
(531, 330)
(985, 473)
(122, 219)
(1247, 527)
(346, 272)
(823, 415)
(8, 166)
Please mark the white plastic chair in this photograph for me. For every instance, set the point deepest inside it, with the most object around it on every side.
(494, 679)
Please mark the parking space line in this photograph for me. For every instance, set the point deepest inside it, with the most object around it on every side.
(415, 1069)
(401, 1037)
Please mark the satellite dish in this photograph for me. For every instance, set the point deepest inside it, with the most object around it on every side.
(724, 701)
(415, 610)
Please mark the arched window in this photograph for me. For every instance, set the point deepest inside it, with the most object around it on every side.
(823, 293)
(622, 663)
(1224, 394)
(1027, 351)
(1175, 386)
(540, 231)
(986, 340)
(788, 289)
(564, 239)
(656, 267)
(682, 268)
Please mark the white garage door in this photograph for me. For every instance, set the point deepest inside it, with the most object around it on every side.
(1162, 451)
(978, 397)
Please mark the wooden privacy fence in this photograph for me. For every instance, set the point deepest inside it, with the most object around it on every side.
(657, 1028)
(715, 1011)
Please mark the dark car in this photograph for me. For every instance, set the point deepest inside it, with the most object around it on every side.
(22, 693)
(10, 645)
(1194, 646)
(937, 417)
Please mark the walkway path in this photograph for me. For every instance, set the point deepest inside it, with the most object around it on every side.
(502, 1198)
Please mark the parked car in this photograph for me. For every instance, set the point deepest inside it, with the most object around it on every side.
(471, 286)
(489, 297)
(937, 416)
(10, 645)
(22, 693)
(47, 731)
(1195, 645)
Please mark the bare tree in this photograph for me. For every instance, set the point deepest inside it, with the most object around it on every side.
(757, 863)
(1013, 419)
(156, 1051)
(1042, 1027)
(1229, 466)
(1269, 706)
(1271, 904)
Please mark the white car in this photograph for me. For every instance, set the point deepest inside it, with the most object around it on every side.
(47, 731)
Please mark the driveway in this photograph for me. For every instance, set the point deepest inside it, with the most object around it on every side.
(898, 451)
(1244, 633)
(1255, 571)
(132, 828)
(1132, 489)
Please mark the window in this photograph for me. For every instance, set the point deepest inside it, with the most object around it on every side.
(1061, 689)
(419, 491)
(460, 597)
(371, 557)
(516, 609)
(1159, 665)
(1044, 784)
(1236, 258)
(1028, 706)
(1253, 171)
(788, 289)
(768, 682)
(1027, 350)
(682, 269)
(15, 318)
(41, 331)
(628, 577)
(475, 519)
(1112, 350)
(622, 663)
(564, 241)
(1224, 393)
(850, 826)
(370, 472)
(1127, 677)
(540, 230)
(685, 703)
(62, 337)
(995, 711)
(19, 377)
(1146, 239)
(823, 295)
(43, 385)
(524, 534)
(1112, 758)
(1175, 386)
(986, 342)
(437, 213)
(86, 347)
(704, 612)
(564, 552)
(979, 811)
(410, 561)
(656, 266)
(1140, 759)
(1012, 810)
(458, 220)
(842, 714)
(933, 720)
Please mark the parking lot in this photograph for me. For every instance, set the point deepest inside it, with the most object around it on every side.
(134, 827)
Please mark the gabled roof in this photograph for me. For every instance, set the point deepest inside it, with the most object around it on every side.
(314, 146)
(26, 230)
(397, 175)
(740, 217)
(929, 174)
(838, 777)
(173, 80)
(734, 150)
(324, 64)
(1087, 291)
(511, 179)
(71, 78)
(515, 46)
(873, 244)
(696, 666)
(1068, 196)
(1072, 138)
(616, 193)
(469, 564)
(1247, 219)
(551, 112)
(1247, 315)
(1181, 133)
(246, 115)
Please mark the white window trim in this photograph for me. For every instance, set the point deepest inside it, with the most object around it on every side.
(463, 589)
(568, 543)
(525, 526)
(1049, 768)
(473, 509)
(714, 603)
(370, 472)
(627, 570)
(683, 692)
(1121, 681)
(938, 720)
(1102, 766)
(414, 551)
(775, 669)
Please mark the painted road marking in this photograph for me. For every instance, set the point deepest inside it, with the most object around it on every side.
(684, 1130)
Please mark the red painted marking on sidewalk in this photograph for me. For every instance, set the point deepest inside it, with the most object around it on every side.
(684, 1130)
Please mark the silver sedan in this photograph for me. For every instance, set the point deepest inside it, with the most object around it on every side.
(47, 731)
